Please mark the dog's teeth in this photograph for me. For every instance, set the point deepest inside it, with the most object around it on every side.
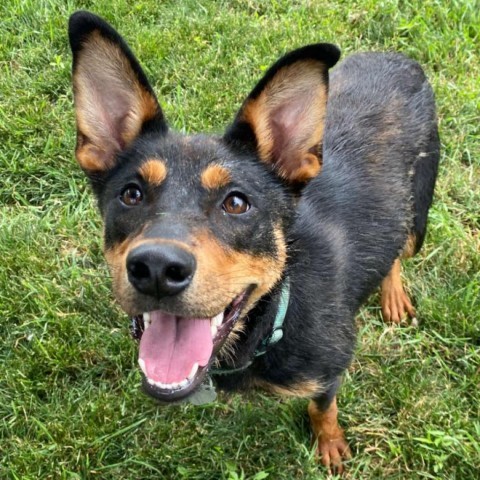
(141, 362)
(193, 371)
(215, 322)
(160, 384)
(217, 319)
(146, 320)
(173, 385)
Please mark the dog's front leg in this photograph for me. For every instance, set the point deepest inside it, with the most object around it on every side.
(331, 444)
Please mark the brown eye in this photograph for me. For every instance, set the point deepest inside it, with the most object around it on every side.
(131, 196)
(236, 204)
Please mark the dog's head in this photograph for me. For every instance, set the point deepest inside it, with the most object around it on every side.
(194, 225)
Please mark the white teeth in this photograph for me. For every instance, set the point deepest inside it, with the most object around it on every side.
(193, 371)
(215, 322)
(159, 384)
(169, 386)
(217, 319)
(173, 385)
(146, 320)
(141, 362)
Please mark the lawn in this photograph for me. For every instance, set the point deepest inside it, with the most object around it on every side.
(70, 405)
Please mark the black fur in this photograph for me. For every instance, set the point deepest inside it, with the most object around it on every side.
(380, 149)
(380, 156)
(328, 54)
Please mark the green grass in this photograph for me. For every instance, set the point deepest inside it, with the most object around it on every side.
(70, 405)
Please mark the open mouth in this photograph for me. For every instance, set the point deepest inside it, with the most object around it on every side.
(175, 352)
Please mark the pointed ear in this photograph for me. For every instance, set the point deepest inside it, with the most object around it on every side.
(283, 117)
(114, 102)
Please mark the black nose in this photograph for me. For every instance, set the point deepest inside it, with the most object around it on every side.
(160, 270)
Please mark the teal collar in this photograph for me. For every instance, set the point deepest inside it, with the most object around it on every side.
(277, 331)
(275, 335)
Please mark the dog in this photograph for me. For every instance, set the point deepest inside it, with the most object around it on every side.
(244, 257)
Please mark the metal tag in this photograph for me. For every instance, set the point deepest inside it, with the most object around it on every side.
(204, 394)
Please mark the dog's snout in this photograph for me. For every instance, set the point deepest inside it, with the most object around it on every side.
(160, 270)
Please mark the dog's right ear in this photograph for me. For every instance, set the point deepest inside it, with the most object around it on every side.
(114, 102)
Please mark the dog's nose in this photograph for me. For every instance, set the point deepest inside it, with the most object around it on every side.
(160, 270)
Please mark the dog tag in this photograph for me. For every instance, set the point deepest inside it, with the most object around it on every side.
(204, 394)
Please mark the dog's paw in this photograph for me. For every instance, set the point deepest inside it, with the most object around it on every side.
(332, 452)
(331, 446)
(396, 306)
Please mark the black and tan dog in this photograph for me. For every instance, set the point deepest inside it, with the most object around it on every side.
(233, 252)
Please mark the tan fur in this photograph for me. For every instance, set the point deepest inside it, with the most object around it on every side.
(215, 176)
(395, 303)
(302, 389)
(409, 248)
(92, 158)
(103, 60)
(222, 274)
(154, 171)
(286, 84)
(310, 166)
(228, 348)
(332, 446)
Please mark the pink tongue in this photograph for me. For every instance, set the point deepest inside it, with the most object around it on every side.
(172, 345)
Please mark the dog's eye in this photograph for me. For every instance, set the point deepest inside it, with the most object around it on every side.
(236, 204)
(131, 195)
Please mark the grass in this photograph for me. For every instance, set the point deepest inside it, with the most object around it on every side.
(70, 405)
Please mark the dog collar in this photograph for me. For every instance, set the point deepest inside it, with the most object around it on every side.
(275, 335)
(277, 331)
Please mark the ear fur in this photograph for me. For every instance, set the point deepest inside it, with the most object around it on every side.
(114, 102)
(283, 117)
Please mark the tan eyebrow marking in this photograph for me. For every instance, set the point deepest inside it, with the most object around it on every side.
(215, 176)
(154, 171)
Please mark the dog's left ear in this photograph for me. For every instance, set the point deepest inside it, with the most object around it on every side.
(283, 117)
